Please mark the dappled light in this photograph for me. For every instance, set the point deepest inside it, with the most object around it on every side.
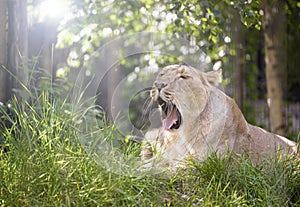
(88, 116)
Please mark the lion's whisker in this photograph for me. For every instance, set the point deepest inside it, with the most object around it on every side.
(147, 106)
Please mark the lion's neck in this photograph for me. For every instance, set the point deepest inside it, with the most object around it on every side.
(220, 119)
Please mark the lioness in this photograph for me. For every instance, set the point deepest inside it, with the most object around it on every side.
(198, 119)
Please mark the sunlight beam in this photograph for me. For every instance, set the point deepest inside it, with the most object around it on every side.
(52, 10)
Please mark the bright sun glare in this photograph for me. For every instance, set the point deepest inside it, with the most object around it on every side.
(54, 9)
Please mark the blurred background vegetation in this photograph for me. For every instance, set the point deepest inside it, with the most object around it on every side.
(46, 43)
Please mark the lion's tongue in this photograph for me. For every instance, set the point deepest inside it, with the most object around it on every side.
(170, 119)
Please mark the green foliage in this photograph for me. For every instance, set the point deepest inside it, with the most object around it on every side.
(250, 12)
(209, 25)
(96, 22)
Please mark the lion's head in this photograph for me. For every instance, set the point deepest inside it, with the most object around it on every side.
(182, 93)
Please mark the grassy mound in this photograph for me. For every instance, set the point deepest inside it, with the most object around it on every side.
(44, 163)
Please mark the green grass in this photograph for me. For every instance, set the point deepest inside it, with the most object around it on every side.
(43, 163)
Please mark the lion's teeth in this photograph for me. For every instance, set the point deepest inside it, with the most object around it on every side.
(160, 108)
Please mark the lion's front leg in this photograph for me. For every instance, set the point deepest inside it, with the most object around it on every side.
(149, 145)
(147, 152)
(152, 148)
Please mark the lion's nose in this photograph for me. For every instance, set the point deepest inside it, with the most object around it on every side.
(160, 86)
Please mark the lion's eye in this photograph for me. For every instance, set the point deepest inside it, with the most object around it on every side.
(183, 77)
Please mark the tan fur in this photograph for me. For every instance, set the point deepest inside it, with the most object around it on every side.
(211, 121)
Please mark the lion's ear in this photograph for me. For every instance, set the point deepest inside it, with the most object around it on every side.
(214, 77)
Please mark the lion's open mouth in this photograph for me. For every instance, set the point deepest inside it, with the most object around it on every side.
(172, 118)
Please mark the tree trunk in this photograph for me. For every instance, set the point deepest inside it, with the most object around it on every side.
(3, 51)
(274, 37)
(18, 42)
